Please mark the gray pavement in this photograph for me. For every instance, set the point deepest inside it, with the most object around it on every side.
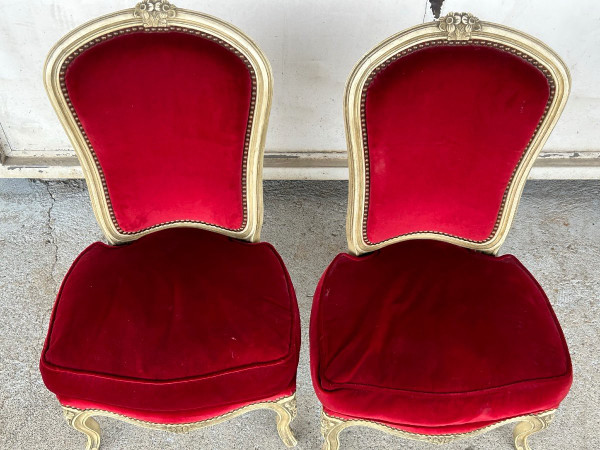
(44, 225)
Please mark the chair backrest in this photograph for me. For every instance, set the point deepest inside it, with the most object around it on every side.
(167, 110)
(444, 122)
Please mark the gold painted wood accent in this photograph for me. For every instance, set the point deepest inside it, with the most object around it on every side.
(331, 427)
(82, 420)
(529, 426)
(485, 33)
(180, 20)
(155, 13)
(459, 26)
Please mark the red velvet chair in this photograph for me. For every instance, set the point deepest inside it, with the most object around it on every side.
(186, 320)
(422, 331)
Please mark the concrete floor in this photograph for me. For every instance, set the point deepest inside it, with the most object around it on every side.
(44, 225)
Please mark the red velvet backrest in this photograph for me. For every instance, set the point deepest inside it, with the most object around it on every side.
(167, 118)
(446, 127)
(443, 126)
(167, 110)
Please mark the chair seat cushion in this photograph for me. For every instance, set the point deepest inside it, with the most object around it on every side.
(434, 338)
(180, 320)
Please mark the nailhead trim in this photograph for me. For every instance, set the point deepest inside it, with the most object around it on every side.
(90, 148)
(363, 123)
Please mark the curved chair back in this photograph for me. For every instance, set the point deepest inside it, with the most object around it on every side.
(167, 110)
(444, 122)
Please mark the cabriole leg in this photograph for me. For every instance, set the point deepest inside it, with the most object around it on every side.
(83, 422)
(286, 410)
(331, 427)
(529, 426)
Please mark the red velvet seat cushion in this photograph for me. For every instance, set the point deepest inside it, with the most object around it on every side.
(180, 321)
(434, 338)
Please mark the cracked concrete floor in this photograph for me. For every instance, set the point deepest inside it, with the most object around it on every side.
(44, 225)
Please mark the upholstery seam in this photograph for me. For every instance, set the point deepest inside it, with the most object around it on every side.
(55, 306)
(336, 385)
(55, 368)
(551, 312)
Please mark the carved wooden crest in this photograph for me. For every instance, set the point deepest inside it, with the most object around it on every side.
(155, 13)
(459, 26)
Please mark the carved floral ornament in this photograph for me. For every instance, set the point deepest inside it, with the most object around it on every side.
(155, 13)
(459, 26)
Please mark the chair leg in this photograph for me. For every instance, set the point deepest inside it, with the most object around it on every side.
(529, 426)
(82, 421)
(331, 427)
(286, 410)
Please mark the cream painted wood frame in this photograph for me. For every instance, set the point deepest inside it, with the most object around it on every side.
(461, 31)
(171, 18)
(160, 15)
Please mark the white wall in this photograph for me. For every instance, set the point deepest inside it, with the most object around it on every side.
(312, 45)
